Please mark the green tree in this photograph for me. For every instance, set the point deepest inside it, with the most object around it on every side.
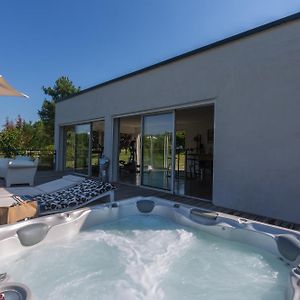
(62, 88)
(19, 136)
(10, 141)
(47, 115)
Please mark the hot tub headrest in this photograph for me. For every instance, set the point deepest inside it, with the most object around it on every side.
(32, 234)
(288, 246)
(145, 206)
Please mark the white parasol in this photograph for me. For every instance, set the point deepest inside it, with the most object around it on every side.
(7, 90)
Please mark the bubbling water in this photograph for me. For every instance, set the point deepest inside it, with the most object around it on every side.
(148, 257)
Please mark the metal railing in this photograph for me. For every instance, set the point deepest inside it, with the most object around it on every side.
(46, 157)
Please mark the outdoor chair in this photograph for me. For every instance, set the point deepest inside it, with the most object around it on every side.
(20, 171)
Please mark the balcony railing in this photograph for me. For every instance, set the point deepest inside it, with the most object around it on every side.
(46, 157)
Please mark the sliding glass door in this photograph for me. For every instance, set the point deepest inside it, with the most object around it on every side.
(171, 151)
(157, 159)
(69, 144)
(82, 148)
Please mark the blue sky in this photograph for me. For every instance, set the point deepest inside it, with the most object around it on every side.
(97, 40)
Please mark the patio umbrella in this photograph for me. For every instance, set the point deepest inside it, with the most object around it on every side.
(7, 90)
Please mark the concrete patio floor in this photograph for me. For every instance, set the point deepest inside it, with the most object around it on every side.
(125, 191)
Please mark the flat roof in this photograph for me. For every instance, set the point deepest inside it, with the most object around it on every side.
(227, 40)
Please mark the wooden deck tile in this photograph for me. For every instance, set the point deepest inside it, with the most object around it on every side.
(125, 191)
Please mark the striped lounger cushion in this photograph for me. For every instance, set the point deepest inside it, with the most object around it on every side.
(73, 197)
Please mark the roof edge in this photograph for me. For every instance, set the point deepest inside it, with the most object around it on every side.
(227, 40)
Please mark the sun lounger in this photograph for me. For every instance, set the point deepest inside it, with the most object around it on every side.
(87, 191)
(49, 187)
(69, 192)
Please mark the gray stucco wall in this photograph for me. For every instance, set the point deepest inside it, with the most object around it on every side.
(255, 85)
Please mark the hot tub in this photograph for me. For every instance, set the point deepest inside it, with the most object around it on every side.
(149, 248)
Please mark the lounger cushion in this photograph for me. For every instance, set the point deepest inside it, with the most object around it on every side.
(55, 185)
(73, 197)
(73, 178)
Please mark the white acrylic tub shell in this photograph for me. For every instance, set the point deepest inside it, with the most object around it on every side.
(283, 243)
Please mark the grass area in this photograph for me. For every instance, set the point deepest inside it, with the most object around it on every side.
(181, 157)
(157, 159)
